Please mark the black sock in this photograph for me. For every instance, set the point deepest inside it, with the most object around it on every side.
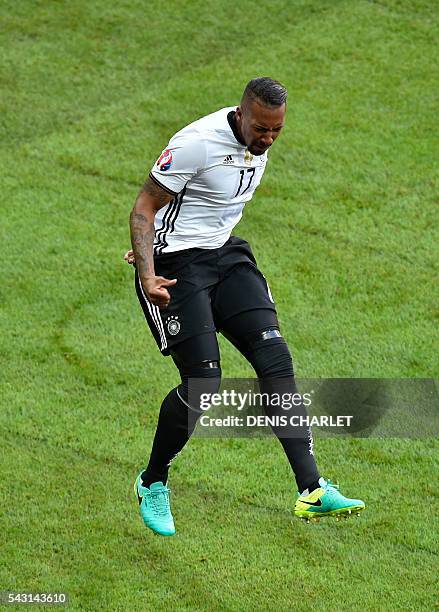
(174, 428)
(297, 442)
(272, 362)
(313, 486)
(148, 477)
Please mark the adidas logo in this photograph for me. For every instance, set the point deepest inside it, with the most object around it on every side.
(228, 160)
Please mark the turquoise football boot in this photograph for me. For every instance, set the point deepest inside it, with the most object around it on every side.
(326, 501)
(154, 507)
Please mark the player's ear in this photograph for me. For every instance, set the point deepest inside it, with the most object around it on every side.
(238, 112)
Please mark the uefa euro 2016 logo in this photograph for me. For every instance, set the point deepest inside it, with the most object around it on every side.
(165, 160)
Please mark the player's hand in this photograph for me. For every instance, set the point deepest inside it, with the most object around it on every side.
(129, 257)
(155, 289)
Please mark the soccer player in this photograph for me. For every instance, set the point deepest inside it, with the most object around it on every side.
(193, 279)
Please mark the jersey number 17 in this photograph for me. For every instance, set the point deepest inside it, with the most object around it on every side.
(242, 172)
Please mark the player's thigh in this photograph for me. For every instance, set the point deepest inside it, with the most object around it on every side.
(197, 352)
(188, 315)
(243, 289)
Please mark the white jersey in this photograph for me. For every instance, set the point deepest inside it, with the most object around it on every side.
(211, 175)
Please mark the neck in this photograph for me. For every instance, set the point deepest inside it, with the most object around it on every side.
(235, 124)
(238, 127)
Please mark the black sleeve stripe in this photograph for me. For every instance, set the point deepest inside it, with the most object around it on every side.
(153, 178)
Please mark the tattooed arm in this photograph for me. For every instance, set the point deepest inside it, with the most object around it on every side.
(150, 199)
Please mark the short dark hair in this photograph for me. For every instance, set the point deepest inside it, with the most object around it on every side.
(266, 91)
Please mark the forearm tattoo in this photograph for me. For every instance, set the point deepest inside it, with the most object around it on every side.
(142, 240)
(143, 231)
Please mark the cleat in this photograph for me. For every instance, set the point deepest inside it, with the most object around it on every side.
(307, 521)
(154, 507)
(327, 501)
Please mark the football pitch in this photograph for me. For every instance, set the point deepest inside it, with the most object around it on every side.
(345, 228)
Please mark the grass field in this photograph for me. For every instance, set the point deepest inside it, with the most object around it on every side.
(344, 226)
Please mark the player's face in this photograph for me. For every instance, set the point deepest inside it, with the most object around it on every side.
(259, 126)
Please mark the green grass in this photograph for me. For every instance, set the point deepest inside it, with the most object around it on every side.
(344, 226)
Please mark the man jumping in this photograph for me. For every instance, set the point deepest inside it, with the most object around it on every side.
(193, 279)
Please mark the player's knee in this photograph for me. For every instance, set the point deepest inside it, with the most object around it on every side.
(200, 379)
(203, 369)
(269, 355)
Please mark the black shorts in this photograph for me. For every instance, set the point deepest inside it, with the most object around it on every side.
(212, 286)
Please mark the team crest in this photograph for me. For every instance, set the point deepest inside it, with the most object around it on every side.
(173, 325)
(248, 157)
(165, 160)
